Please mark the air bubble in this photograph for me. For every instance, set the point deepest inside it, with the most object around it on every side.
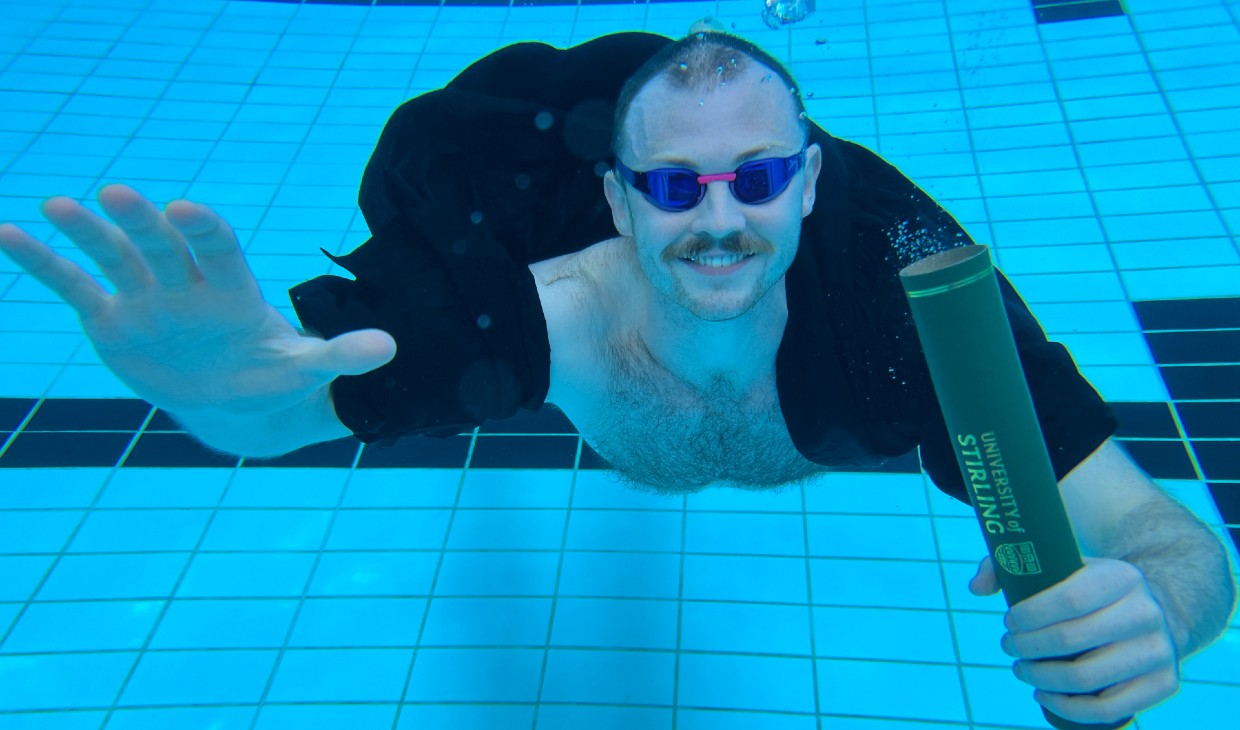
(475, 217)
(544, 120)
(522, 181)
(484, 321)
(777, 13)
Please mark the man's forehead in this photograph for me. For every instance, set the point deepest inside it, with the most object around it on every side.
(752, 113)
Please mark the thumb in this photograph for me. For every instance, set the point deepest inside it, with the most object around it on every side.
(354, 353)
(985, 583)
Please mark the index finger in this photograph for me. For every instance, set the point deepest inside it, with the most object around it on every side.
(214, 244)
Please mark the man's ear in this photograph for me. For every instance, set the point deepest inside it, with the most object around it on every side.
(813, 166)
(618, 199)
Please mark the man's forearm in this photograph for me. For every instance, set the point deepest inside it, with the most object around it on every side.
(1187, 568)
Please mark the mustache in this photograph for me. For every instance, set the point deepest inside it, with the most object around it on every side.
(741, 242)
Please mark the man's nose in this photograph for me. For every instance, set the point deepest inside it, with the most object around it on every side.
(719, 213)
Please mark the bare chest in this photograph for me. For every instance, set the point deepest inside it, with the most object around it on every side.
(658, 432)
(665, 435)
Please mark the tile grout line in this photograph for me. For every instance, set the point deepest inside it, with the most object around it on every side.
(815, 679)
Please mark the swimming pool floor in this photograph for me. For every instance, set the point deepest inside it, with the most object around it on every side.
(502, 579)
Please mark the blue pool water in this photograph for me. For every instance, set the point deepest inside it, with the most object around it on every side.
(500, 579)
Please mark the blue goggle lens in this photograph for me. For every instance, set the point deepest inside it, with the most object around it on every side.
(679, 189)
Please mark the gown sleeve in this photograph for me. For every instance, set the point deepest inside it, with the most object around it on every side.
(466, 187)
(851, 354)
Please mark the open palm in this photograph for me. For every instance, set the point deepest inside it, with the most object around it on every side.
(187, 327)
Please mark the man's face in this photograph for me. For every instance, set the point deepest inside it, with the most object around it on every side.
(751, 117)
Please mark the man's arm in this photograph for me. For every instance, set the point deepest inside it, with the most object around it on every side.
(1118, 512)
(186, 327)
(263, 436)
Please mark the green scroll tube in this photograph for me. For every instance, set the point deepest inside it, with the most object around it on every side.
(967, 339)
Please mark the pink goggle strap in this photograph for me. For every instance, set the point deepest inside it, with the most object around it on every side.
(724, 176)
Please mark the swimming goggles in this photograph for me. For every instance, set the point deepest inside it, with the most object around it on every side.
(678, 189)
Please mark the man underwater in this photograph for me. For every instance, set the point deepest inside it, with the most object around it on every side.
(745, 328)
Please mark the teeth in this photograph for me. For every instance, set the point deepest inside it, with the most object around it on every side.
(717, 262)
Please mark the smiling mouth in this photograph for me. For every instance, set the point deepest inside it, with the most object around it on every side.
(716, 261)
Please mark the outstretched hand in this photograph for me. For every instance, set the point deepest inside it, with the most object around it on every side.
(1106, 609)
(187, 327)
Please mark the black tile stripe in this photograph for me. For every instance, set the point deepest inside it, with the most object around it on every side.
(527, 452)
(426, 453)
(1195, 347)
(1059, 11)
(547, 440)
(37, 450)
(540, 440)
(13, 411)
(338, 454)
(1177, 314)
(1210, 420)
(1196, 344)
(1226, 497)
(1145, 420)
(1203, 382)
(161, 421)
(89, 414)
(548, 420)
(168, 450)
(1220, 460)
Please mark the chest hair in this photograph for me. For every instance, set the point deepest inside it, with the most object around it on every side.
(664, 435)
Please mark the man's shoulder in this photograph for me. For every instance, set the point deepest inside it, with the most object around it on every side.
(573, 291)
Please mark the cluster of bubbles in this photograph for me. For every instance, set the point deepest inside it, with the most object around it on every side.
(910, 244)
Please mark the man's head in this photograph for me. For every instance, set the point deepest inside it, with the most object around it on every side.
(711, 103)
